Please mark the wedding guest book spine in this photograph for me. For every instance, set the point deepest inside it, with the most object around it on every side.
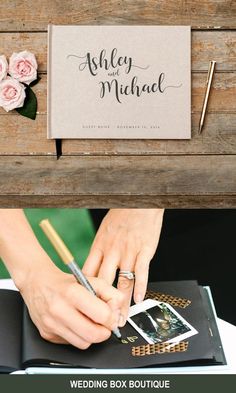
(48, 83)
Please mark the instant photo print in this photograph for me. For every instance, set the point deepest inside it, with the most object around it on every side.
(158, 322)
(189, 310)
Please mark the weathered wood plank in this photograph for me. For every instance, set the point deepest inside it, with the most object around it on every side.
(206, 45)
(222, 97)
(118, 201)
(156, 175)
(25, 15)
(21, 136)
(116, 173)
(223, 93)
(214, 45)
(34, 42)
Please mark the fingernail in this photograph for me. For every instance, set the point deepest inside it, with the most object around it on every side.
(138, 298)
(122, 321)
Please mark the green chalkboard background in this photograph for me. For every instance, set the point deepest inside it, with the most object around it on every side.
(73, 225)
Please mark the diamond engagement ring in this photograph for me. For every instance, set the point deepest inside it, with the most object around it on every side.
(127, 274)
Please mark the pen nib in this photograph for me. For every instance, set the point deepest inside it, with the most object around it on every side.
(200, 129)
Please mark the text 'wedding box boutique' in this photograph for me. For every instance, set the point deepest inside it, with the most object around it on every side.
(119, 82)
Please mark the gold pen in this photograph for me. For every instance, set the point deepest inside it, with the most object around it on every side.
(207, 93)
(69, 260)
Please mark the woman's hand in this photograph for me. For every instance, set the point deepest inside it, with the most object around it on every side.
(127, 240)
(65, 312)
(62, 310)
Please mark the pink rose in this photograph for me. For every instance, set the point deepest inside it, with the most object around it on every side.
(23, 67)
(12, 94)
(3, 67)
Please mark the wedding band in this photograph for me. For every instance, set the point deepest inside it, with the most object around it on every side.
(127, 274)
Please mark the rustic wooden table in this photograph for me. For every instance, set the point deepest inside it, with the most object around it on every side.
(91, 173)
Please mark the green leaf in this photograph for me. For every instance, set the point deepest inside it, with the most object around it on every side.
(35, 81)
(29, 108)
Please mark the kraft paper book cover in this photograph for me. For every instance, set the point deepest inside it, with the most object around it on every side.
(128, 82)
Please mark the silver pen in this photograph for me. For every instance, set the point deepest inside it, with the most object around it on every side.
(69, 260)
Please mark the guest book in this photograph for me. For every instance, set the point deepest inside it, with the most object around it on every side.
(129, 82)
(21, 345)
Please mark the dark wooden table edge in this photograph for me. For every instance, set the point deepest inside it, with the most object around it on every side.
(118, 201)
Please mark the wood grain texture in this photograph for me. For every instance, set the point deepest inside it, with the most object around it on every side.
(206, 45)
(124, 173)
(21, 15)
(118, 201)
(156, 175)
(21, 136)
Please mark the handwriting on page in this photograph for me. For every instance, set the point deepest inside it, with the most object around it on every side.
(128, 340)
(115, 66)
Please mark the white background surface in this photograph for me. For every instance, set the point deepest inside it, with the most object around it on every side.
(228, 337)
